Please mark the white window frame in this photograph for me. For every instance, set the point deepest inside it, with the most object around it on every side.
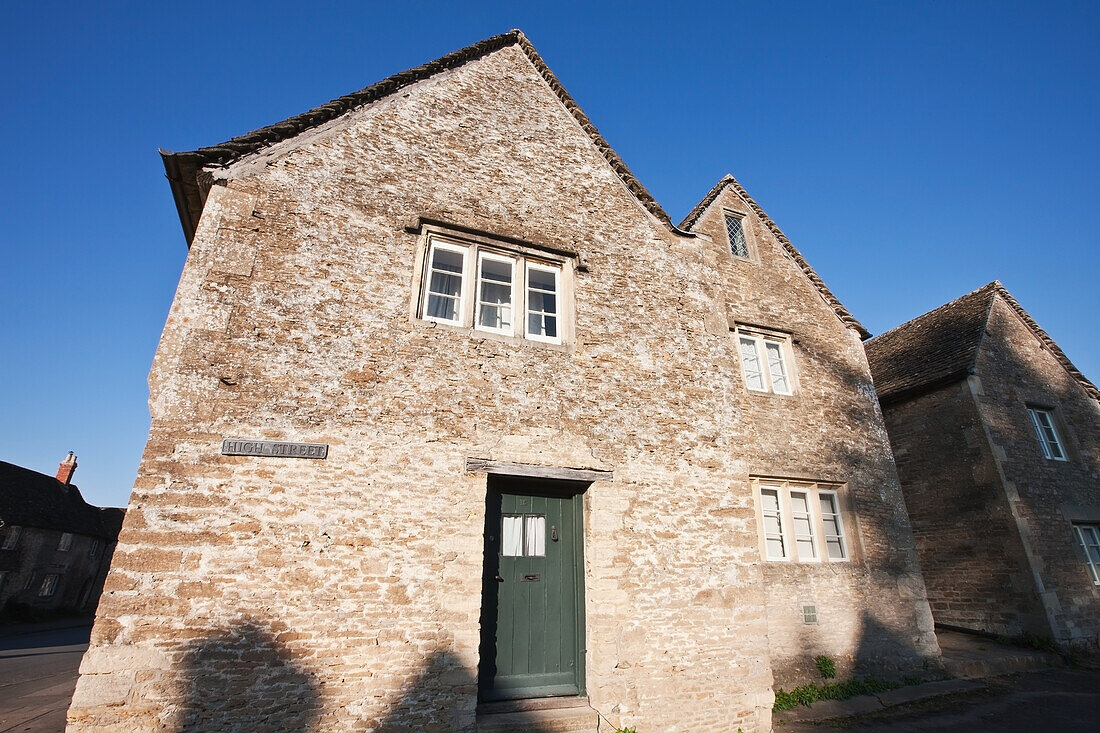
(782, 537)
(66, 542)
(11, 541)
(465, 278)
(483, 256)
(792, 540)
(1089, 537)
(1048, 442)
(556, 272)
(760, 342)
(523, 261)
(834, 498)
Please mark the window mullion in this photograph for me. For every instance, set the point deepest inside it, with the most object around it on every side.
(520, 298)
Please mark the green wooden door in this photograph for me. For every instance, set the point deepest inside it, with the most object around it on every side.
(531, 608)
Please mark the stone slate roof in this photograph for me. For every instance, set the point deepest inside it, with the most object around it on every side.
(730, 182)
(183, 169)
(942, 346)
(32, 499)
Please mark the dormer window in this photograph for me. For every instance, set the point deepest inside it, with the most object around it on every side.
(735, 230)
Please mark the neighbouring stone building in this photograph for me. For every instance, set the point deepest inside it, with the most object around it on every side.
(558, 446)
(55, 548)
(997, 441)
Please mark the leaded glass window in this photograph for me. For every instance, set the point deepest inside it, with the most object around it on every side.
(736, 231)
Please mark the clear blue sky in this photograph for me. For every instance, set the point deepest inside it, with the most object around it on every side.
(912, 152)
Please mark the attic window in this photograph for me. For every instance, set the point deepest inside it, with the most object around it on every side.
(494, 288)
(735, 230)
(1049, 440)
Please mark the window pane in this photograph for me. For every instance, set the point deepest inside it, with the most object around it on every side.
(511, 540)
(777, 368)
(447, 260)
(836, 550)
(771, 524)
(769, 498)
(542, 279)
(542, 325)
(442, 307)
(535, 540)
(495, 294)
(736, 232)
(750, 361)
(775, 548)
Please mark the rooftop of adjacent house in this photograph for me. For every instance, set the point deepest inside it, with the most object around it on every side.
(942, 346)
(183, 169)
(32, 499)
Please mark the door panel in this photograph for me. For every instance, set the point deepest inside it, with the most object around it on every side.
(532, 602)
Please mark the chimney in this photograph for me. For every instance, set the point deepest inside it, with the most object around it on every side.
(66, 469)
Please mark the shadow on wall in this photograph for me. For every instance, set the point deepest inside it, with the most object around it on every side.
(243, 679)
(882, 652)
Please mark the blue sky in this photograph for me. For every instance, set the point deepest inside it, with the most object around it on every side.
(912, 152)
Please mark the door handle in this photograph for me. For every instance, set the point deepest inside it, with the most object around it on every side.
(498, 578)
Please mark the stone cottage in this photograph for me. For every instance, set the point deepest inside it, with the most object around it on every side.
(55, 547)
(997, 441)
(454, 429)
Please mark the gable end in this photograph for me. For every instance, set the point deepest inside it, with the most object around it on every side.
(183, 169)
(730, 182)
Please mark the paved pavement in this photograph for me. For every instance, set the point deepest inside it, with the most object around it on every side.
(1062, 699)
(38, 672)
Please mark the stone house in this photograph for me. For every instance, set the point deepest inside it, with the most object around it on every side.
(997, 440)
(454, 429)
(55, 548)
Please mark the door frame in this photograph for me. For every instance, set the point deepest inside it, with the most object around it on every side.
(496, 485)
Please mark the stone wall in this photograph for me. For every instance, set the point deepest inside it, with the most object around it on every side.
(872, 612)
(993, 518)
(1017, 371)
(352, 585)
(973, 562)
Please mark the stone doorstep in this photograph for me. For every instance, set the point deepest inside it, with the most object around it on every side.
(872, 703)
(543, 715)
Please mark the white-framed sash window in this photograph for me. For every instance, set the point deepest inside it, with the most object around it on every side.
(764, 362)
(495, 301)
(798, 518)
(488, 288)
(1089, 536)
(444, 284)
(1051, 442)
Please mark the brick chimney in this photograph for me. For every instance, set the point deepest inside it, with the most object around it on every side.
(66, 469)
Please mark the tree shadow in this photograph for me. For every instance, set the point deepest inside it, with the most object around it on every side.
(241, 678)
